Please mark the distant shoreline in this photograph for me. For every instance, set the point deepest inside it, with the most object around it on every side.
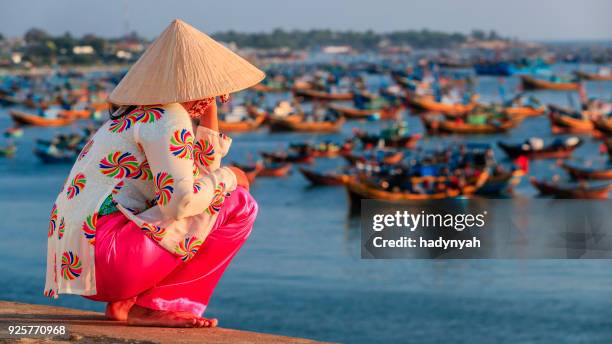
(71, 67)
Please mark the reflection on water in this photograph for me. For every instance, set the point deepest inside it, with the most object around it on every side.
(300, 273)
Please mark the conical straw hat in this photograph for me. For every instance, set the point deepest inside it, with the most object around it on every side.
(184, 64)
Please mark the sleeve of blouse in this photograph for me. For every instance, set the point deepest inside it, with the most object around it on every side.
(169, 148)
(209, 147)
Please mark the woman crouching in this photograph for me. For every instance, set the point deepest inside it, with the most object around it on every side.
(148, 220)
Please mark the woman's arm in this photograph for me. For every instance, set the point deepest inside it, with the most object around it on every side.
(208, 131)
(209, 119)
(167, 145)
(210, 145)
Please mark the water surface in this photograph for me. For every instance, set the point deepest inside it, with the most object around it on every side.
(300, 273)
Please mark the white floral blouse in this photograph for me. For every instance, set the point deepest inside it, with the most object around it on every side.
(160, 176)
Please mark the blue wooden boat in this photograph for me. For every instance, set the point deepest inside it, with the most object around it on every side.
(495, 69)
(505, 68)
(55, 158)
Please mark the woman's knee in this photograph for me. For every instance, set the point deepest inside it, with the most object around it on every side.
(242, 212)
(248, 208)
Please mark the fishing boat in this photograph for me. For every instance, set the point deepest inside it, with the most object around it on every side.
(322, 95)
(531, 83)
(8, 151)
(457, 127)
(593, 76)
(389, 157)
(32, 104)
(358, 190)
(454, 64)
(99, 106)
(242, 126)
(63, 142)
(275, 170)
(269, 88)
(406, 141)
(475, 184)
(603, 125)
(353, 113)
(403, 81)
(580, 191)
(393, 158)
(525, 111)
(327, 179)
(428, 103)
(535, 149)
(302, 85)
(502, 68)
(9, 100)
(272, 119)
(362, 189)
(76, 113)
(509, 68)
(499, 184)
(255, 111)
(564, 121)
(348, 112)
(25, 118)
(322, 149)
(47, 157)
(283, 157)
(588, 173)
(290, 124)
(24, 101)
(13, 132)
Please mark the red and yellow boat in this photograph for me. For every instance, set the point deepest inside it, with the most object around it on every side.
(389, 112)
(322, 95)
(531, 83)
(291, 124)
(563, 123)
(457, 127)
(76, 113)
(243, 126)
(603, 125)
(24, 118)
(428, 103)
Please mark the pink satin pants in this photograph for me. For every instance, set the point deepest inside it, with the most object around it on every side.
(129, 264)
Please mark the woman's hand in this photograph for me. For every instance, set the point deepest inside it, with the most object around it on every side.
(241, 178)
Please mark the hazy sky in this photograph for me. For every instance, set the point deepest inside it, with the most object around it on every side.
(535, 19)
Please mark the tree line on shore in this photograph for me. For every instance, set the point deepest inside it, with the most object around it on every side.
(362, 40)
(40, 47)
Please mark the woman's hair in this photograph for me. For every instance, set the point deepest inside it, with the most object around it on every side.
(116, 112)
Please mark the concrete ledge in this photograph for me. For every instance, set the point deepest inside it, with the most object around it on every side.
(92, 327)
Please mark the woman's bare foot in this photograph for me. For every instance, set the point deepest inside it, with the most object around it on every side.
(141, 316)
(118, 310)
